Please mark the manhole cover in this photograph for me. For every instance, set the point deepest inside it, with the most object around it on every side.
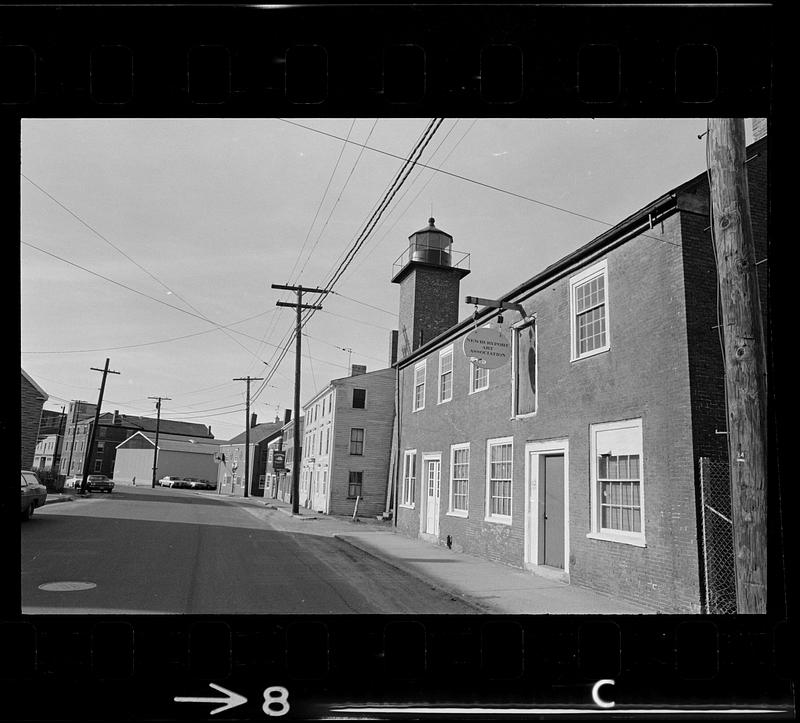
(67, 586)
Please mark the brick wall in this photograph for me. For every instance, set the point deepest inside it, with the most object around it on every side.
(429, 304)
(644, 375)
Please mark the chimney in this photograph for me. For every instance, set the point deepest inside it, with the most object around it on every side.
(357, 369)
(393, 347)
(117, 418)
(759, 128)
(253, 418)
(287, 416)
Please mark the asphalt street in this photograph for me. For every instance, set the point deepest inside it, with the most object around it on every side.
(143, 550)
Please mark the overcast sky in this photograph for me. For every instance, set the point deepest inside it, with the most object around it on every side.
(206, 214)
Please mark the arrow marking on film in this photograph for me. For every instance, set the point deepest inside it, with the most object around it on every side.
(231, 700)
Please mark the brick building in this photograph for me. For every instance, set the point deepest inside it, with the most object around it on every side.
(282, 480)
(32, 399)
(346, 443)
(579, 458)
(113, 429)
(231, 459)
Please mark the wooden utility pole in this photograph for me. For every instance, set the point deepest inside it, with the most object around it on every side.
(247, 379)
(90, 449)
(59, 451)
(299, 306)
(155, 446)
(744, 358)
(74, 432)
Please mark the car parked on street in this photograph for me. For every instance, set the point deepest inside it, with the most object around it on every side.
(32, 494)
(99, 482)
(73, 483)
(201, 484)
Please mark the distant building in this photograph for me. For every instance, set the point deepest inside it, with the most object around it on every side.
(282, 481)
(347, 441)
(47, 448)
(32, 399)
(112, 430)
(76, 411)
(580, 459)
(230, 472)
(178, 456)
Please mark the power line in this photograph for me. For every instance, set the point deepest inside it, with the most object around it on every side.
(474, 181)
(387, 197)
(150, 343)
(133, 261)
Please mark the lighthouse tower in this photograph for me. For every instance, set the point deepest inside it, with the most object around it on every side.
(429, 273)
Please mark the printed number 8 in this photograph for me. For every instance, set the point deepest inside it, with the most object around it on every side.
(276, 695)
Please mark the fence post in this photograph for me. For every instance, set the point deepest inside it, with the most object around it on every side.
(706, 581)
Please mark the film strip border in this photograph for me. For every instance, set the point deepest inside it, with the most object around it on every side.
(68, 668)
(394, 60)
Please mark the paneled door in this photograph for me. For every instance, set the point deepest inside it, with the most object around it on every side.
(433, 483)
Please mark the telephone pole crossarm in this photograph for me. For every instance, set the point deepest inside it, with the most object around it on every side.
(294, 306)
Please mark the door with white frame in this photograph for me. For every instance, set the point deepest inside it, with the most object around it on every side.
(432, 471)
(547, 508)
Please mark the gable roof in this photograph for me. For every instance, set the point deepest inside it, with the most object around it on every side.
(178, 443)
(148, 424)
(258, 433)
(41, 392)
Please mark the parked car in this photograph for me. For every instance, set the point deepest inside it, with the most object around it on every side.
(73, 483)
(166, 481)
(99, 482)
(32, 494)
(181, 482)
(201, 484)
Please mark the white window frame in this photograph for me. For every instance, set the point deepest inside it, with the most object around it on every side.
(447, 351)
(417, 367)
(408, 500)
(451, 511)
(597, 533)
(515, 328)
(588, 274)
(473, 367)
(489, 516)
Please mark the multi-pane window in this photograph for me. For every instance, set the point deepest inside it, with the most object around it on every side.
(419, 386)
(446, 375)
(359, 398)
(589, 311)
(101, 447)
(328, 439)
(459, 479)
(617, 495)
(354, 484)
(409, 488)
(98, 465)
(524, 380)
(500, 469)
(357, 440)
(619, 479)
(478, 377)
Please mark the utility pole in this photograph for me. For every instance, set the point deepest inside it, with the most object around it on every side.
(744, 359)
(90, 449)
(247, 379)
(59, 444)
(155, 447)
(74, 432)
(299, 305)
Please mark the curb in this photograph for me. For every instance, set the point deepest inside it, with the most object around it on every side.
(409, 570)
(66, 498)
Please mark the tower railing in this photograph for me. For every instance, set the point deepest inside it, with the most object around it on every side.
(430, 254)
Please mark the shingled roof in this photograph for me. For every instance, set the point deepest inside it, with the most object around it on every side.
(148, 424)
(258, 433)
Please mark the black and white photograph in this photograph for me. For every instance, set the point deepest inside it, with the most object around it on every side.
(359, 365)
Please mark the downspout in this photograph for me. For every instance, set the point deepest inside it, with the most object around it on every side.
(397, 413)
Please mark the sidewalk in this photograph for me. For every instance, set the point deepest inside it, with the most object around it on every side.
(489, 586)
(53, 497)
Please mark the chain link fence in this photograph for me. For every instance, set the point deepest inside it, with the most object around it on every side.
(717, 533)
